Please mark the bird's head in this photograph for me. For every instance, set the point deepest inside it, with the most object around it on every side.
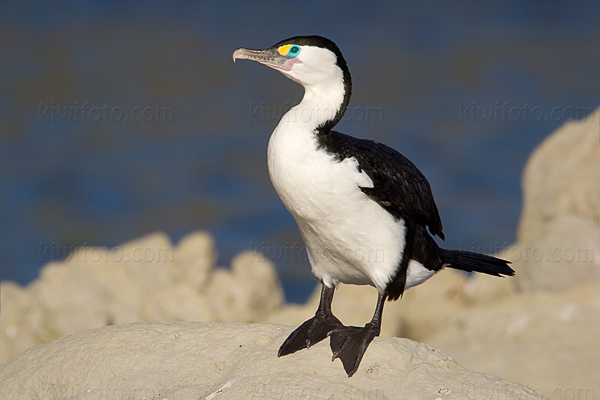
(308, 60)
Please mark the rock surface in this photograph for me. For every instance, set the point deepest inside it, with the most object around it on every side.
(558, 239)
(146, 279)
(177, 360)
(551, 339)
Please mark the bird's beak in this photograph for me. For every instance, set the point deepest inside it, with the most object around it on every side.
(269, 57)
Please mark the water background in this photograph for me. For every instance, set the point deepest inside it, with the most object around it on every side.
(466, 90)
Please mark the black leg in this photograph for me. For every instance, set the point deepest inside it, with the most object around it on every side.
(315, 329)
(349, 343)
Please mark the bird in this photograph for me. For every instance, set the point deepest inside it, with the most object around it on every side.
(365, 212)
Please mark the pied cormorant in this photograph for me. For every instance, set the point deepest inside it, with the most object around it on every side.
(351, 198)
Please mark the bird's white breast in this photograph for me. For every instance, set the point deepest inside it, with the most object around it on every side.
(349, 237)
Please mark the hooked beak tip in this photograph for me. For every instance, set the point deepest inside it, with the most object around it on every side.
(236, 54)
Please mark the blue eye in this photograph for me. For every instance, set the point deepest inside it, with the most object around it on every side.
(294, 50)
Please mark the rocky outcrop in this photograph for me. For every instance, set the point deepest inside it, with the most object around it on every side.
(146, 279)
(177, 360)
(550, 338)
(558, 240)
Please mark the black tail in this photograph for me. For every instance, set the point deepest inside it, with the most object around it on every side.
(467, 261)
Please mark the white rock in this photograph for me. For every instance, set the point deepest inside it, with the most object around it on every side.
(196, 257)
(235, 361)
(150, 260)
(550, 338)
(179, 302)
(561, 209)
(567, 255)
(247, 293)
(16, 305)
(145, 279)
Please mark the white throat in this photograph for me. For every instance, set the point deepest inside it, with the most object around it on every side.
(321, 103)
(293, 156)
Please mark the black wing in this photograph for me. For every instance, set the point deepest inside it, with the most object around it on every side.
(398, 185)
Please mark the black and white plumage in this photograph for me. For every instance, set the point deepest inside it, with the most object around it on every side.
(363, 209)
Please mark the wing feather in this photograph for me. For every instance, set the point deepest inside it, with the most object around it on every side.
(398, 185)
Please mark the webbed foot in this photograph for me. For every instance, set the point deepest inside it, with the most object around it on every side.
(349, 344)
(309, 333)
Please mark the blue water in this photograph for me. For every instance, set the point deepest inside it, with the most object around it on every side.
(74, 172)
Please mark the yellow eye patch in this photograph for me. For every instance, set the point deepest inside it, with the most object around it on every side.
(289, 50)
(283, 50)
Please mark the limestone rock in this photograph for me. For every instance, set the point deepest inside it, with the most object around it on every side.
(550, 338)
(15, 336)
(196, 257)
(145, 279)
(487, 290)
(561, 210)
(430, 307)
(179, 360)
(179, 302)
(567, 255)
(248, 293)
(262, 292)
(561, 177)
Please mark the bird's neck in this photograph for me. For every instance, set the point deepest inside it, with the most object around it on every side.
(322, 106)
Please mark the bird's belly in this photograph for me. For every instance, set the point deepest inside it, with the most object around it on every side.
(349, 237)
(361, 249)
